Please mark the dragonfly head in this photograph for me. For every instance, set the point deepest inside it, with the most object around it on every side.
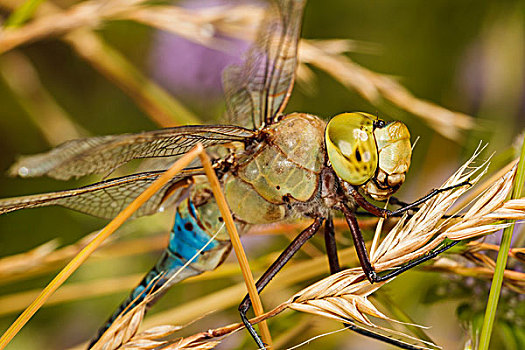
(365, 151)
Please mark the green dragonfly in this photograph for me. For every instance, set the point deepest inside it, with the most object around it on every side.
(272, 167)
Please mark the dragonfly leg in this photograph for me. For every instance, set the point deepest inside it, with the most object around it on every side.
(382, 338)
(395, 201)
(331, 247)
(432, 193)
(359, 242)
(385, 213)
(415, 262)
(277, 265)
(364, 258)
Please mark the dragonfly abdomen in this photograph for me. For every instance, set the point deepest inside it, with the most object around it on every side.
(198, 242)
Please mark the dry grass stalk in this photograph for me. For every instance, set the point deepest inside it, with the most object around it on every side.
(159, 105)
(71, 292)
(122, 330)
(47, 257)
(200, 25)
(237, 245)
(159, 338)
(123, 335)
(482, 186)
(202, 340)
(20, 263)
(514, 280)
(516, 253)
(372, 86)
(343, 297)
(339, 296)
(483, 265)
(40, 259)
(86, 14)
(22, 77)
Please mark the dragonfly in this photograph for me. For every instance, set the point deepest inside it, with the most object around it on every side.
(272, 167)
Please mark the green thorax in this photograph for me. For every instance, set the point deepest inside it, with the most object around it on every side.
(285, 167)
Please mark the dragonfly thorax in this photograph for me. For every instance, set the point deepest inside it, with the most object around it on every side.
(282, 170)
(366, 152)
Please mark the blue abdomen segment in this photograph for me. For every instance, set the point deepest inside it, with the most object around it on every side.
(188, 237)
(189, 240)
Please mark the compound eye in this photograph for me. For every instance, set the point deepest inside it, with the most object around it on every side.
(351, 147)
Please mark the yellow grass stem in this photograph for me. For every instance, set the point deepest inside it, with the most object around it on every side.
(237, 246)
(53, 122)
(501, 262)
(75, 263)
(22, 14)
(70, 292)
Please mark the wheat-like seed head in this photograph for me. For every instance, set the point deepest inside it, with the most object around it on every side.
(121, 331)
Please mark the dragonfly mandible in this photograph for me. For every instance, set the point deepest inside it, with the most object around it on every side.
(272, 166)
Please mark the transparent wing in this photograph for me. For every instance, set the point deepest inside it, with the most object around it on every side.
(257, 91)
(106, 199)
(103, 154)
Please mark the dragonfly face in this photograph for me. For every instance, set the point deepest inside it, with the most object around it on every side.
(365, 152)
(395, 152)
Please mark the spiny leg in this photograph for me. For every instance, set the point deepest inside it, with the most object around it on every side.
(396, 201)
(425, 198)
(359, 242)
(399, 270)
(277, 265)
(385, 213)
(364, 258)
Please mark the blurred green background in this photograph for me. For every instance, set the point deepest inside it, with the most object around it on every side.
(467, 56)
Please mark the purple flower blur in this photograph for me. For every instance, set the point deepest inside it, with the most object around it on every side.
(190, 71)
